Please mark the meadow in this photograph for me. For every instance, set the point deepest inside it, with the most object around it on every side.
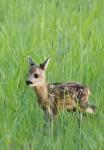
(71, 33)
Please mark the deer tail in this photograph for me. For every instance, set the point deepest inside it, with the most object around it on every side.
(91, 109)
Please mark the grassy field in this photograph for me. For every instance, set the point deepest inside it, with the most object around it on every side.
(71, 32)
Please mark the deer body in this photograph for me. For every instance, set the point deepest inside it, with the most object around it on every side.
(56, 96)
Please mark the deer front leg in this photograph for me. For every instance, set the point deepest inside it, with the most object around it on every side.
(50, 109)
(50, 114)
(47, 116)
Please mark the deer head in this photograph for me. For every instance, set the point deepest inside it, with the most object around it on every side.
(36, 74)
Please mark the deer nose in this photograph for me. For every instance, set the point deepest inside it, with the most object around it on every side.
(28, 82)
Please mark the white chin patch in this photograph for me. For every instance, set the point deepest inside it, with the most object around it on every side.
(32, 85)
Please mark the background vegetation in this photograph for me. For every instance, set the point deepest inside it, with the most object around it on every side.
(71, 32)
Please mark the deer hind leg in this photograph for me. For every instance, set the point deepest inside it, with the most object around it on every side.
(82, 100)
(83, 103)
(85, 106)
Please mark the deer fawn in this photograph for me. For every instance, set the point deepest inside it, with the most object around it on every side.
(56, 96)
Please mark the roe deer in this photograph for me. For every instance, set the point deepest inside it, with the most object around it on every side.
(56, 96)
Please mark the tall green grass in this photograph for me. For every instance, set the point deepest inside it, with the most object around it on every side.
(72, 34)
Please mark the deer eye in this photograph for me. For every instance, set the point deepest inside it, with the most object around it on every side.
(36, 75)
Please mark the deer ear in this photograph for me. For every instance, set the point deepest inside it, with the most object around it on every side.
(45, 64)
(30, 61)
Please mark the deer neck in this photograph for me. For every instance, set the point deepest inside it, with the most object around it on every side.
(42, 92)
